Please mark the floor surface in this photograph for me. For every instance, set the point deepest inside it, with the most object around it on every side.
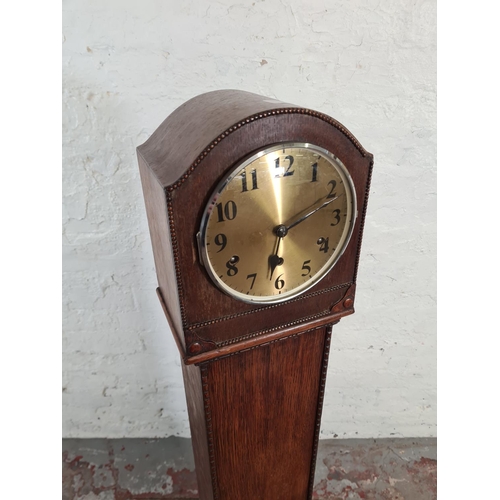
(153, 469)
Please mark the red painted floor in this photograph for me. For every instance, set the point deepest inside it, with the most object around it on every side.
(147, 469)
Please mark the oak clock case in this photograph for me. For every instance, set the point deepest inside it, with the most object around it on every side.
(256, 210)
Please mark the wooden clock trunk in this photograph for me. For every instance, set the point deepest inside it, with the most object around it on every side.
(255, 418)
(254, 374)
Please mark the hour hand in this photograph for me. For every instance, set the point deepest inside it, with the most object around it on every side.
(274, 262)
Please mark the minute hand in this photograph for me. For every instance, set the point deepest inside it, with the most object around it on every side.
(304, 217)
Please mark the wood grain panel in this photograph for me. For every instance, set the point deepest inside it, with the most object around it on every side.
(199, 433)
(264, 403)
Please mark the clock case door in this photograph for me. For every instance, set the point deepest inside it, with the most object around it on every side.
(182, 163)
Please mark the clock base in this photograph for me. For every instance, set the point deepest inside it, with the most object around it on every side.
(256, 411)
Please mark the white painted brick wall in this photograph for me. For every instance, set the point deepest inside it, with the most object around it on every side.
(371, 64)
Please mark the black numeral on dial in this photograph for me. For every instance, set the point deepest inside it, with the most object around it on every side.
(232, 270)
(221, 241)
(228, 211)
(323, 244)
(244, 185)
(336, 215)
(315, 172)
(287, 172)
(306, 268)
(279, 283)
(331, 194)
(252, 277)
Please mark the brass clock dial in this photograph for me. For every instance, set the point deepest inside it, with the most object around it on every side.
(278, 223)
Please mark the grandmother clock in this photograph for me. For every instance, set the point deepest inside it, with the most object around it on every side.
(256, 210)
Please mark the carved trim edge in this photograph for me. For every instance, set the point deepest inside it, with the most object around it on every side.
(274, 328)
(208, 422)
(363, 218)
(280, 111)
(175, 252)
(264, 344)
(319, 411)
(194, 326)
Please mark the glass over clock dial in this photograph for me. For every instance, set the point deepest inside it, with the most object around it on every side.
(278, 223)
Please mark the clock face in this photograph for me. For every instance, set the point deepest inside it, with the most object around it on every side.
(278, 223)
